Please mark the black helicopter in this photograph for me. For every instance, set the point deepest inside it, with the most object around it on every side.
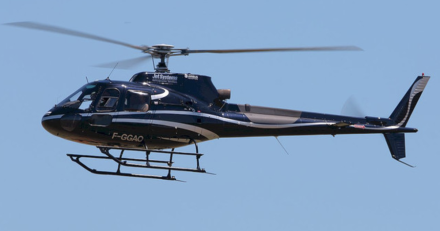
(162, 110)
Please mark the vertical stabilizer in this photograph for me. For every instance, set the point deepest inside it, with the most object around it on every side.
(401, 115)
(396, 144)
(403, 111)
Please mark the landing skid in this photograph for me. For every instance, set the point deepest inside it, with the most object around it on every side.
(139, 163)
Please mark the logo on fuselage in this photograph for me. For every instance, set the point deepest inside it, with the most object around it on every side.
(128, 137)
(158, 77)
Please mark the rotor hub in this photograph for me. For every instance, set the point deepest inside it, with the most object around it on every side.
(161, 51)
(166, 47)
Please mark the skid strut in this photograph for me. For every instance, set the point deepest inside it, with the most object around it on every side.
(147, 163)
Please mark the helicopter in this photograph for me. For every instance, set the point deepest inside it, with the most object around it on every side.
(157, 112)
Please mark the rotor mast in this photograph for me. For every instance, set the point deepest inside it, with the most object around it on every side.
(162, 52)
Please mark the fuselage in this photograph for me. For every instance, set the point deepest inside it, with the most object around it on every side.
(172, 110)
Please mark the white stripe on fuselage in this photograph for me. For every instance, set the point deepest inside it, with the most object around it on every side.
(238, 122)
(206, 133)
(161, 95)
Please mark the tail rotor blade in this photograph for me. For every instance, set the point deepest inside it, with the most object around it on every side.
(351, 108)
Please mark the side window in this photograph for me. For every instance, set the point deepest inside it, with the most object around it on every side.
(109, 100)
(137, 101)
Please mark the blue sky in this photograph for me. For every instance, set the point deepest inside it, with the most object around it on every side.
(325, 183)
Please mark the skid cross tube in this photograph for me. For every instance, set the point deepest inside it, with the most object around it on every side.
(125, 163)
(106, 152)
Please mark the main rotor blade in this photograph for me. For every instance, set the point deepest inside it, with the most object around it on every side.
(60, 30)
(125, 64)
(334, 48)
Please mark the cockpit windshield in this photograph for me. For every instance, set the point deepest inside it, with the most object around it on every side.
(80, 99)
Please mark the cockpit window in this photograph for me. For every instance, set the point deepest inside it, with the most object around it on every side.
(109, 100)
(137, 101)
(80, 99)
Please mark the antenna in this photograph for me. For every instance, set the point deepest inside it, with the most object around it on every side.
(112, 70)
(87, 79)
(276, 137)
(224, 103)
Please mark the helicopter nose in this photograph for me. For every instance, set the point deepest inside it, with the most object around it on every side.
(51, 123)
(56, 124)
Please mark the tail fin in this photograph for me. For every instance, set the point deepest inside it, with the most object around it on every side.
(401, 115)
(406, 106)
(396, 144)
